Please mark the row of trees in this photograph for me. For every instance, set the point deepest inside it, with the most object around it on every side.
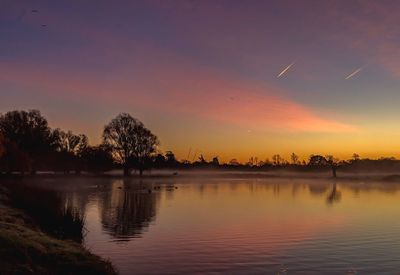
(313, 160)
(320, 163)
(28, 144)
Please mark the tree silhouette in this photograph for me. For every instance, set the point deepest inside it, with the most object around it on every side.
(215, 161)
(131, 142)
(159, 161)
(170, 159)
(69, 142)
(294, 158)
(333, 163)
(12, 158)
(202, 160)
(321, 161)
(252, 162)
(317, 160)
(30, 132)
(355, 157)
(97, 159)
(277, 160)
(69, 148)
(2, 145)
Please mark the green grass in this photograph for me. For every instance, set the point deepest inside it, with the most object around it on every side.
(25, 249)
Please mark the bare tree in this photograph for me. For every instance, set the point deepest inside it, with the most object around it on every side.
(277, 160)
(69, 142)
(202, 159)
(295, 158)
(69, 149)
(131, 142)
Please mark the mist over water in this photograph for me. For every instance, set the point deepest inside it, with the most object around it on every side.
(239, 225)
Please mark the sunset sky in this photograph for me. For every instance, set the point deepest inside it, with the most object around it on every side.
(204, 74)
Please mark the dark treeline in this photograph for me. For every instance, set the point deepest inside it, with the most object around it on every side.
(29, 145)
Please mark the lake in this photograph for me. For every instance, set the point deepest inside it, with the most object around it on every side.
(239, 225)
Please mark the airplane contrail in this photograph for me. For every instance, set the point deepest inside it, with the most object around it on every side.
(354, 73)
(285, 70)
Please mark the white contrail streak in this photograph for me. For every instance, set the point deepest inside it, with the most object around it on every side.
(285, 70)
(354, 73)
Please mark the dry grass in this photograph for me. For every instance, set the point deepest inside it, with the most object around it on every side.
(25, 249)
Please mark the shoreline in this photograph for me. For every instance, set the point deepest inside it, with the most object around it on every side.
(26, 249)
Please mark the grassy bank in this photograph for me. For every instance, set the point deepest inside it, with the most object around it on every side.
(25, 249)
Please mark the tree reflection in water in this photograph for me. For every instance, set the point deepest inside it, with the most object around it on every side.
(126, 211)
(334, 196)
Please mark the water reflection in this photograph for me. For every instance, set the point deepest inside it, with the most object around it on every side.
(241, 226)
(128, 209)
(334, 195)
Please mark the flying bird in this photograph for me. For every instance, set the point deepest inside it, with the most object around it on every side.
(354, 73)
(285, 70)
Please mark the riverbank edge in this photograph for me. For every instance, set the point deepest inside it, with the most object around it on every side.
(25, 249)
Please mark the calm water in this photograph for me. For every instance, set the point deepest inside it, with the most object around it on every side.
(241, 225)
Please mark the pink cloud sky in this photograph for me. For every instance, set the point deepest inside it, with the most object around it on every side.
(180, 90)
